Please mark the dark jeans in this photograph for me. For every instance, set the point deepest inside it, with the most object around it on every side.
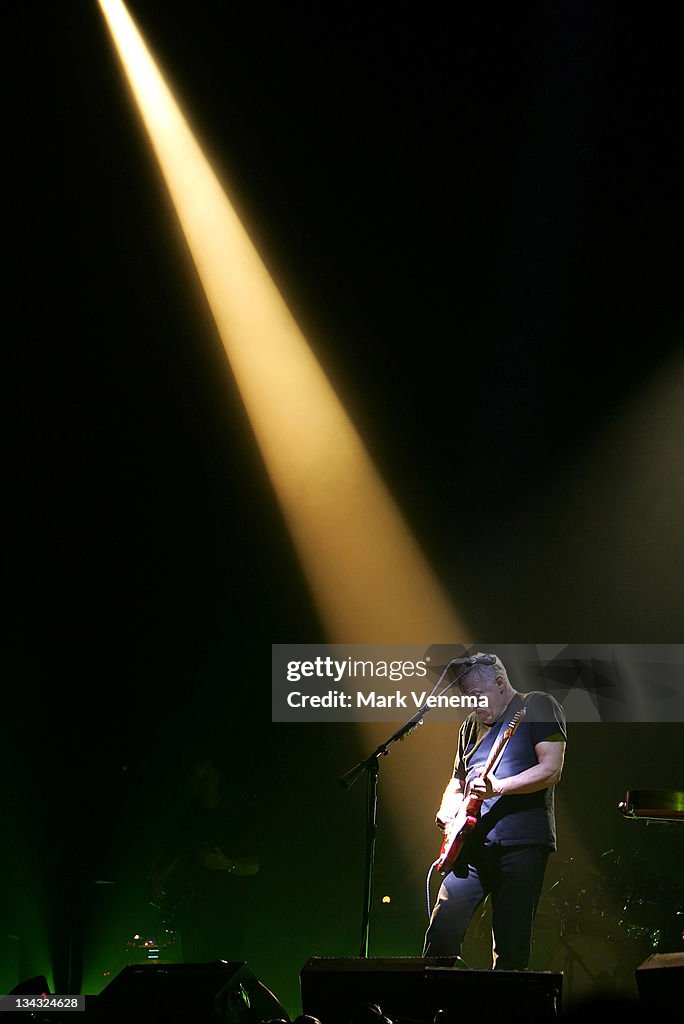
(513, 876)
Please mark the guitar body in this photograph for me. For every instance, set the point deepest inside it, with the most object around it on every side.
(457, 833)
(181, 881)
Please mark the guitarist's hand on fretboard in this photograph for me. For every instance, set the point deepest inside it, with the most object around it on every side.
(484, 787)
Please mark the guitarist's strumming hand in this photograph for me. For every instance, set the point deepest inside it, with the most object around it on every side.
(444, 821)
(450, 805)
(479, 786)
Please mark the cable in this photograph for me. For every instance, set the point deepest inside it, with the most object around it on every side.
(427, 885)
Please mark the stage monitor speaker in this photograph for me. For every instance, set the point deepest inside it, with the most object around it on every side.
(226, 992)
(336, 990)
(660, 980)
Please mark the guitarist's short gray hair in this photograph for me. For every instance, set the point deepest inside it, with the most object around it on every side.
(490, 672)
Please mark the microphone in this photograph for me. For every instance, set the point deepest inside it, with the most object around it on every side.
(478, 659)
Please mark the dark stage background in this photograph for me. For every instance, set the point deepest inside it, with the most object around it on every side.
(475, 215)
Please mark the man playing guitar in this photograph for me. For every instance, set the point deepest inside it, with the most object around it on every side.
(506, 846)
(201, 880)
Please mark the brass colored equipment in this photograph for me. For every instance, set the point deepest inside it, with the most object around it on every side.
(654, 804)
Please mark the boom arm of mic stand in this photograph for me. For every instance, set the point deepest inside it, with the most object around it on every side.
(349, 778)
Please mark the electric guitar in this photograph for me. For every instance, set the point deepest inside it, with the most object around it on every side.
(469, 811)
(186, 879)
(180, 881)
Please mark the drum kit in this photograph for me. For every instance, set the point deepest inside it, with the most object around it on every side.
(597, 924)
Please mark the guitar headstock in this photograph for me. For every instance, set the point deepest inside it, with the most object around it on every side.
(517, 718)
(514, 723)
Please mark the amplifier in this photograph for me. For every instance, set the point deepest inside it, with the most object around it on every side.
(412, 988)
(201, 993)
(660, 980)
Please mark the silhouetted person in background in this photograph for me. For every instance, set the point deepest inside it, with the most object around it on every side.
(204, 879)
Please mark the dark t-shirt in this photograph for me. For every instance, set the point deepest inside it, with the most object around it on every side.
(230, 827)
(522, 818)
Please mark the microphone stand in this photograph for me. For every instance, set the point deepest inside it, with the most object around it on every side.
(371, 765)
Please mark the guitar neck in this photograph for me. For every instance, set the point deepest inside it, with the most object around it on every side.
(496, 753)
(497, 750)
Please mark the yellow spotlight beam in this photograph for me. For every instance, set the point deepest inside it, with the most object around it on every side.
(370, 581)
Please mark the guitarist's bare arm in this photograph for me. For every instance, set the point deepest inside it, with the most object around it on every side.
(547, 772)
(451, 802)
